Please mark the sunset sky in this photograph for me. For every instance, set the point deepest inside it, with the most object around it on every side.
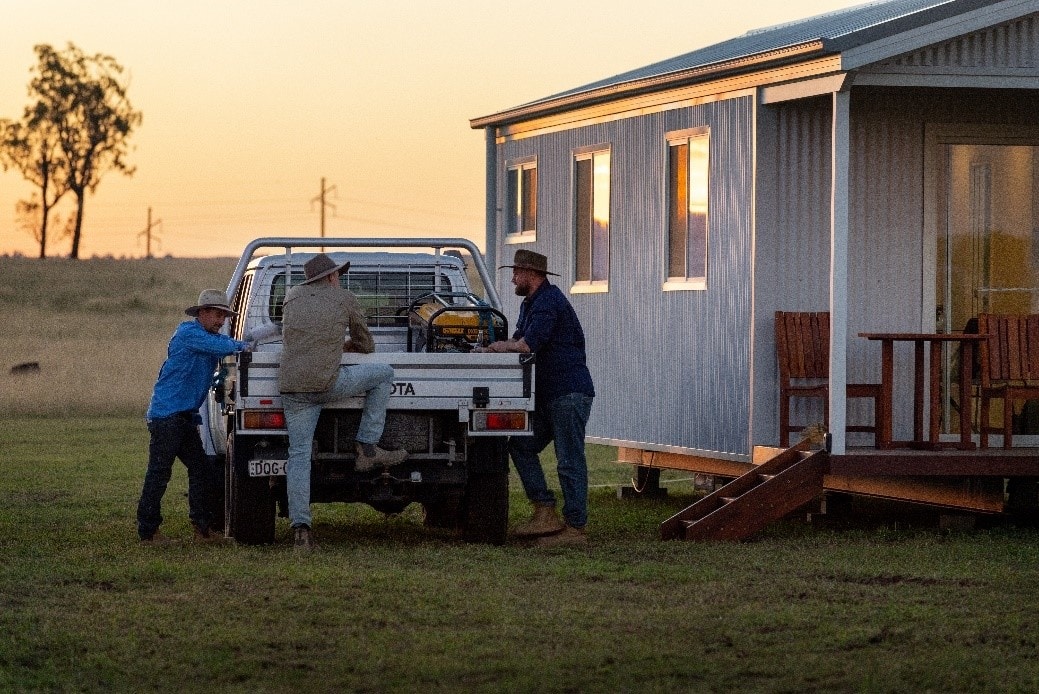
(248, 104)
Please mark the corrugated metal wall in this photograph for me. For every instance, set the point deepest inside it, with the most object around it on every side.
(670, 368)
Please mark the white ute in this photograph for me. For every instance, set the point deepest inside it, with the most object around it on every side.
(453, 409)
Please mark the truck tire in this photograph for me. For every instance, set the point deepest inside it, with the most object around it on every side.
(485, 512)
(249, 516)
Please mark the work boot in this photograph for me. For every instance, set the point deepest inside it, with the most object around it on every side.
(303, 539)
(569, 537)
(207, 535)
(157, 538)
(370, 456)
(545, 521)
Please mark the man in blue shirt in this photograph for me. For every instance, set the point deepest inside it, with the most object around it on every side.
(548, 326)
(173, 419)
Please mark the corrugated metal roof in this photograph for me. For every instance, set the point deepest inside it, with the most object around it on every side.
(823, 34)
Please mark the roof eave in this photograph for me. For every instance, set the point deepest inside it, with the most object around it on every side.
(679, 78)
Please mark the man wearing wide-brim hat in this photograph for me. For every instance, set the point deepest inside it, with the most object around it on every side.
(549, 327)
(184, 380)
(316, 317)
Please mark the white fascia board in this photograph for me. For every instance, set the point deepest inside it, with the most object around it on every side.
(950, 81)
(803, 89)
(943, 30)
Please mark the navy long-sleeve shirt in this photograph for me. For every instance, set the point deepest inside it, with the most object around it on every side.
(549, 325)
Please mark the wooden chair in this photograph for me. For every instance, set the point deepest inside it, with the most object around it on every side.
(1009, 366)
(803, 350)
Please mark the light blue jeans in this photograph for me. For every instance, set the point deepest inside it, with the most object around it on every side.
(563, 421)
(302, 410)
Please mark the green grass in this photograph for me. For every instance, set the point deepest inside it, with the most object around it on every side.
(389, 606)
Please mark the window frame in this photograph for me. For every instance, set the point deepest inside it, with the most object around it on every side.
(512, 208)
(674, 139)
(589, 153)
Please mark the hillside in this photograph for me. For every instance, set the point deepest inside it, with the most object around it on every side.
(97, 328)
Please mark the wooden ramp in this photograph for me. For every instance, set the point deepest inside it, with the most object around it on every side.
(750, 502)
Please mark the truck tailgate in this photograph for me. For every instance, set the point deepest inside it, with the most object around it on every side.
(422, 380)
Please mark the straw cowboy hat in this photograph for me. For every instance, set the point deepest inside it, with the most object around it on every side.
(211, 298)
(529, 260)
(322, 266)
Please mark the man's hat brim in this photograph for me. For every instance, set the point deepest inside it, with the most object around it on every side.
(340, 269)
(528, 267)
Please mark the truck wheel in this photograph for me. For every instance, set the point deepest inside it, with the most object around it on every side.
(249, 516)
(485, 514)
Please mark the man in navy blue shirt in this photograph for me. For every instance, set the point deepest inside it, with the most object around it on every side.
(548, 326)
(184, 379)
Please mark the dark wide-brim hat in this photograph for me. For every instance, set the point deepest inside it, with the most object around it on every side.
(322, 266)
(211, 298)
(529, 260)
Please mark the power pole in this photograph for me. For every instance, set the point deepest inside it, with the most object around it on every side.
(147, 233)
(321, 198)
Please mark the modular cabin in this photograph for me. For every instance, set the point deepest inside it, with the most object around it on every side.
(876, 165)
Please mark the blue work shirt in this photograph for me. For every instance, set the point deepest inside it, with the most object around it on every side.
(549, 325)
(187, 373)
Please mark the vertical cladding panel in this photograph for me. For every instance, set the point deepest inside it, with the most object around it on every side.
(802, 215)
(1010, 45)
(671, 368)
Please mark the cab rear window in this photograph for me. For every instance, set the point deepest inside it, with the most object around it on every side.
(384, 294)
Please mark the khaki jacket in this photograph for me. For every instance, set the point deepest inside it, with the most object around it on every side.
(315, 322)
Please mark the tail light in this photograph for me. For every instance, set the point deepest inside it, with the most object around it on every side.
(263, 419)
(489, 420)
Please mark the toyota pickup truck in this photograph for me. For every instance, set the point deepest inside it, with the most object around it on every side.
(452, 408)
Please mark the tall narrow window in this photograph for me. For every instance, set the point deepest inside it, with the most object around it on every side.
(522, 201)
(688, 174)
(592, 217)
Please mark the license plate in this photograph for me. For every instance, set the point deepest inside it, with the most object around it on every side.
(267, 468)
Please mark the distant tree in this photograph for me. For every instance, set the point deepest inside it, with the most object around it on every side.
(83, 98)
(31, 146)
(30, 218)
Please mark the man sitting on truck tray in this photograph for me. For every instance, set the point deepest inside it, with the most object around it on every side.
(549, 327)
(316, 316)
(184, 379)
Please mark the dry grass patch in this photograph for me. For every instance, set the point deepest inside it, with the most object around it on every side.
(97, 328)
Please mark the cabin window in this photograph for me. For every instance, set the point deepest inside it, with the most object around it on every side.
(688, 156)
(592, 220)
(522, 202)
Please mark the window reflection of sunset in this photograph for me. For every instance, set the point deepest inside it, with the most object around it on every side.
(698, 174)
(601, 196)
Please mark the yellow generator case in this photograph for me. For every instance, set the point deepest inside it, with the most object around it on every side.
(453, 322)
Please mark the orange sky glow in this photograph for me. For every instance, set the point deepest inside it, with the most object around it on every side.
(248, 104)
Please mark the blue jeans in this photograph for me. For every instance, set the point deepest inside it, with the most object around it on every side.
(563, 421)
(302, 411)
(173, 437)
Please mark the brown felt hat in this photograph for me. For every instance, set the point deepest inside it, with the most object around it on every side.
(211, 298)
(322, 266)
(529, 260)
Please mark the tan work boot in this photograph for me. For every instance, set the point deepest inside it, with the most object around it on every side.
(207, 535)
(545, 521)
(569, 537)
(303, 540)
(157, 539)
(370, 456)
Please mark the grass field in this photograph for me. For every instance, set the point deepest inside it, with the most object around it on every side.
(388, 606)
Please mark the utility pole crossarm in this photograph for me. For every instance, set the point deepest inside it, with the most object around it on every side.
(322, 200)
